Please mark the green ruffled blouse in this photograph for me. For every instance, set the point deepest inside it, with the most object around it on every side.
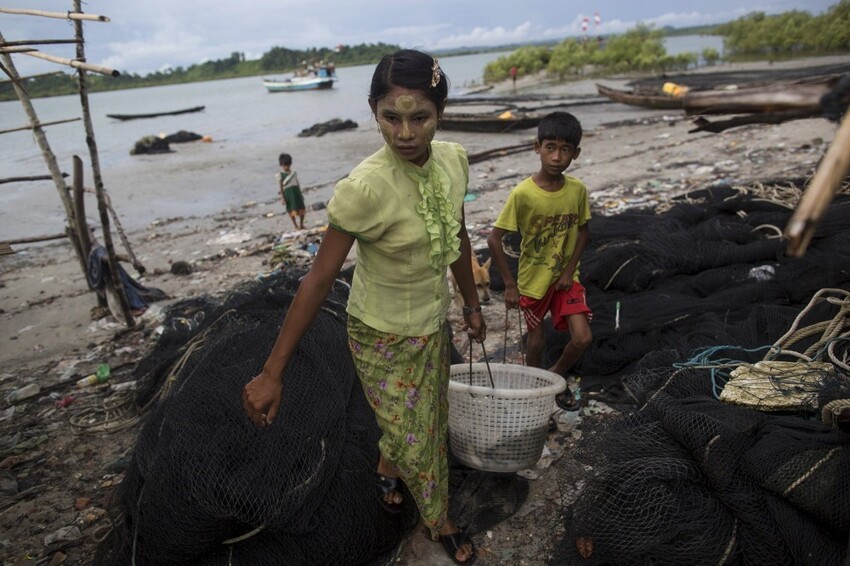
(406, 220)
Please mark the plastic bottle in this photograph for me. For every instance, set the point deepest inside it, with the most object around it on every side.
(101, 374)
(25, 392)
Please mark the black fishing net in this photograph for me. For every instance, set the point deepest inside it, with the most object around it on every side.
(206, 486)
(679, 476)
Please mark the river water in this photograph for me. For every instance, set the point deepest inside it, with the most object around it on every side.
(249, 127)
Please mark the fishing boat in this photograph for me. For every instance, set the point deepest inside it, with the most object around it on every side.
(658, 101)
(317, 79)
(155, 114)
(489, 123)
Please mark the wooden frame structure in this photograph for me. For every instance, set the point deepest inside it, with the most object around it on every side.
(77, 231)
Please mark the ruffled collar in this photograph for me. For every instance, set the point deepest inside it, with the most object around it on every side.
(435, 208)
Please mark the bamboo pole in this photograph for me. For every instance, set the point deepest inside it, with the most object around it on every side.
(98, 180)
(37, 42)
(46, 151)
(827, 180)
(29, 178)
(41, 125)
(34, 239)
(83, 233)
(39, 75)
(17, 49)
(76, 16)
(40, 138)
(75, 63)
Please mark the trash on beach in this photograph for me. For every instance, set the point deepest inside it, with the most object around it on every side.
(150, 145)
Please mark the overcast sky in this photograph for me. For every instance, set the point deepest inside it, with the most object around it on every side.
(149, 35)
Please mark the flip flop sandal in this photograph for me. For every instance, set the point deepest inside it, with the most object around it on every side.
(452, 544)
(567, 402)
(385, 485)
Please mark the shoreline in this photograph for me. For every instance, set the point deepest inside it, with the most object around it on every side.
(45, 291)
(48, 336)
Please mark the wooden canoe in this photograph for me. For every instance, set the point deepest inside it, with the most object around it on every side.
(156, 114)
(487, 123)
(801, 97)
(654, 101)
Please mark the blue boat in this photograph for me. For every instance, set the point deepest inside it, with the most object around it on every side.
(316, 79)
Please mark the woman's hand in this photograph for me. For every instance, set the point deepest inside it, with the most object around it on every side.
(261, 398)
(475, 327)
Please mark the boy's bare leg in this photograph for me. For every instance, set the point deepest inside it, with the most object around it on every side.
(536, 343)
(302, 222)
(580, 339)
(294, 223)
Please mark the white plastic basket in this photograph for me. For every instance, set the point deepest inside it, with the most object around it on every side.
(501, 429)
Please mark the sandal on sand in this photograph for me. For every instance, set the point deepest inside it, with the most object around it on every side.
(567, 401)
(385, 486)
(452, 544)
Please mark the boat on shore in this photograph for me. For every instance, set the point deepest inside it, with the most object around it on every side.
(658, 101)
(489, 123)
(321, 78)
(155, 114)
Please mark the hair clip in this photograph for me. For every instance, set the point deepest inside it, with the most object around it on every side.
(435, 73)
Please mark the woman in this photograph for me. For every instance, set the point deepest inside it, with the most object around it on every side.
(403, 206)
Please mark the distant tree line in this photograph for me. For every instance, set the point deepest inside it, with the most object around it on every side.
(789, 33)
(639, 49)
(642, 48)
(276, 60)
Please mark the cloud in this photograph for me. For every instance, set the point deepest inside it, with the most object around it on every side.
(480, 36)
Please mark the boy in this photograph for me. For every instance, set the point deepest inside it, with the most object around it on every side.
(290, 192)
(551, 212)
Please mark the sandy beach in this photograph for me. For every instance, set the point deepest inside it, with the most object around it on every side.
(56, 476)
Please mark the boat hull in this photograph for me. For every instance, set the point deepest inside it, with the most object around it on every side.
(154, 115)
(657, 102)
(299, 85)
(487, 124)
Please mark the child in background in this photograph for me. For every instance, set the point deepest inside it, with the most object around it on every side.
(551, 212)
(290, 191)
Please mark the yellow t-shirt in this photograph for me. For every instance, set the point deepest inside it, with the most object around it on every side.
(548, 223)
(406, 220)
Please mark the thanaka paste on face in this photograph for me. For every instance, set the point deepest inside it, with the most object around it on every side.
(407, 107)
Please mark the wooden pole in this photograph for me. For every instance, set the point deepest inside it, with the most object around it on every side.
(30, 178)
(121, 293)
(75, 63)
(30, 127)
(39, 75)
(76, 16)
(827, 181)
(41, 139)
(37, 42)
(34, 239)
(82, 224)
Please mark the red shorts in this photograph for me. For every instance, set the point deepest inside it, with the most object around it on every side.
(562, 304)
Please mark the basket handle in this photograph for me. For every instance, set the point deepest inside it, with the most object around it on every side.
(505, 343)
(486, 361)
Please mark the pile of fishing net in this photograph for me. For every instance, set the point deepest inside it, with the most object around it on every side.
(694, 470)
(205, 486)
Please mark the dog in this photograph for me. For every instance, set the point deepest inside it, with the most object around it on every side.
(481, 274)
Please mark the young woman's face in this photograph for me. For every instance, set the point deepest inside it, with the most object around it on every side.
(408, 121)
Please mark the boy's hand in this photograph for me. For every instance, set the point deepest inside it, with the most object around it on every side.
(511, 296)
(564, 282)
